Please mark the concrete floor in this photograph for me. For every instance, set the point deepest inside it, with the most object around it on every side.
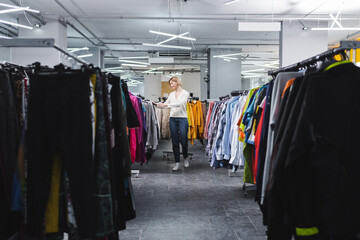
(193, 203)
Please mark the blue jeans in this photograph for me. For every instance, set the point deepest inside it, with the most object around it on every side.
(179, 133)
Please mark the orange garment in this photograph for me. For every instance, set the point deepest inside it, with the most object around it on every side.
(197, 130)
(190, 117)
(288, 84)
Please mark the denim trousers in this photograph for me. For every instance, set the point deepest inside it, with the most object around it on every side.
(179, 133)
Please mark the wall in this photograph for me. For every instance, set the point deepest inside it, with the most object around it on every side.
(297, 44)
(191, 83)
(152, 86)
(5, 54)
(224, 76)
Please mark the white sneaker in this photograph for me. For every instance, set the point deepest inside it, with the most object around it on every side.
(177, 167)
(186, 162)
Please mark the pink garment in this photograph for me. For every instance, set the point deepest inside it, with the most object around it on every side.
(208, 115)
(137, 146)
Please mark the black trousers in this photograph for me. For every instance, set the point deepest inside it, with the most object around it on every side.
(59, 121)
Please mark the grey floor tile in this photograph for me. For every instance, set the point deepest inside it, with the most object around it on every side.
(197, 203)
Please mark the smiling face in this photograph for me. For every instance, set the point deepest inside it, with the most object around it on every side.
(174, 84)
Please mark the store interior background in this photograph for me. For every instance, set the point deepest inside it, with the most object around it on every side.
(112, 35)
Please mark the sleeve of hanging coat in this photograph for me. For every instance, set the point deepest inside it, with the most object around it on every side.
(200, 120)
(226, 139)
(190, 119)
(240, 122)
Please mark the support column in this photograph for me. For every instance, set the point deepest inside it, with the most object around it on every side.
(225, 76)
(203, 84)
(297, 44)
(46, 56)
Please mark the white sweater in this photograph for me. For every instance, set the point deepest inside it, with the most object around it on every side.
(178, 105)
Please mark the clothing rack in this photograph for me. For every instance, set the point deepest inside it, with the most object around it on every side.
(40, 43)
(238, 92)
(344, 45)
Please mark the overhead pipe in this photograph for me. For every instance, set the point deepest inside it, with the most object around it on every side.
(82, 24)
(78, 31)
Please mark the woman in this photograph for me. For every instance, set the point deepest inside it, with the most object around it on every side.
(178, 120)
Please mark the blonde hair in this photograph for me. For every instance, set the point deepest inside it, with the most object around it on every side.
(175, 79)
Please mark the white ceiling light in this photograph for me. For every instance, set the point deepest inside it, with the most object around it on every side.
(136, 62)
(227, 60)
(15, 24)
(173, 35)
(166, 46)
(12, 10)
(230, 2)
(145, 57)
(229, 55)
(17, 7)
(113, 68)
(85, 55)
(335, 21)
(254, 70)
(172, 38)
(152, 69)
(72, 50)
(114, 71)
(259, 26)
(335, 29)
(5, 37)
(133, 65)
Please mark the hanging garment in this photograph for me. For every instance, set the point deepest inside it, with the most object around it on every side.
(120, 159)
(59, 120)
(321, 170)
(279, 85)
(207, 121)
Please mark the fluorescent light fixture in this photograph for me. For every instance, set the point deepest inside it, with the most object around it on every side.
(152, 69)
(5, 37)
(254, 70)
(145, 57)
(172, 38)
(133, 65)
(252, 76)
(113, 68)
(259, 26)
(15, 24)
(72, 50)
(166, 46)
(230, 2)
(114, 71)
(229, 55)
(136, 62)
(172, 35)
(227, 60)
(335, 29)
(85, 55)
(12, 10)
(17, 7)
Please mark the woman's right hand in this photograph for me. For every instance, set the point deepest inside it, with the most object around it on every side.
(161, 105)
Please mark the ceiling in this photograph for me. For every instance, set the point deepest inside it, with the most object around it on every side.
(120, 27)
